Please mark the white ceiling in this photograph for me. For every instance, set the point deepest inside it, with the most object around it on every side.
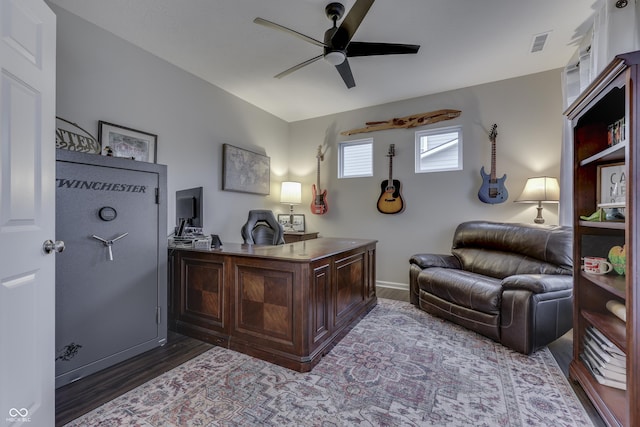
(463, 43)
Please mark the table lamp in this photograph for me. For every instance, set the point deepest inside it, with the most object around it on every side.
(541, 189)
(291, 193)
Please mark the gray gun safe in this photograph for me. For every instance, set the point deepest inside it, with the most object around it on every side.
(111, 278)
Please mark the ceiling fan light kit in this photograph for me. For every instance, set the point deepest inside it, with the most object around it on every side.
(335, 58)
(337, 40)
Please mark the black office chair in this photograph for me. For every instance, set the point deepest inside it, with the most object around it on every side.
(262, 228)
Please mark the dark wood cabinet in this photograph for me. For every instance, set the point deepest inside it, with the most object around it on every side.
(288, 304)
(611, 103)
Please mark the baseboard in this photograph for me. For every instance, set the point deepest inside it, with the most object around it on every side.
(392, 285)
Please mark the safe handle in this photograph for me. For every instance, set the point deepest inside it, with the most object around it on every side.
(109, 243)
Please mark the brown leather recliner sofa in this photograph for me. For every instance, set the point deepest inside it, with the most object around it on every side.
(509, 282)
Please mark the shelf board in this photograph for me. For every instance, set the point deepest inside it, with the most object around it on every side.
(610, 282)
(612, 327)
(612, 205)
(610, 402)
(615, 152)
(612, 225)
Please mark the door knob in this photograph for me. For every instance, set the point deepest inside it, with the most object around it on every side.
(51, 246)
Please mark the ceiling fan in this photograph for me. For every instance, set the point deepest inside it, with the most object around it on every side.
(337, 40)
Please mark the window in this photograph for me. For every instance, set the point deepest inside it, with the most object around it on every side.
(439, 149)
(355, 158)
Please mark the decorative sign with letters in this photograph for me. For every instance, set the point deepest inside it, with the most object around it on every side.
(612, 184)
(72, 137)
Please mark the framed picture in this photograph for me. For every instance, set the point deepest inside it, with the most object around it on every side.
(285, 221)
(120, 141)
(245, 171)
(298, 223)
(612, 185)
(296, 226)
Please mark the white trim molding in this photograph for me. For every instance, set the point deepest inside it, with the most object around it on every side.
(392, 285)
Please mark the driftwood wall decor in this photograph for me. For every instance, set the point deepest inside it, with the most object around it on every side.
(407, 122)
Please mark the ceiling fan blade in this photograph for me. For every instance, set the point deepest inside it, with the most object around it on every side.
(297, 67)
(288, 30)
(370, 49)
(345, 72)
(351, 22)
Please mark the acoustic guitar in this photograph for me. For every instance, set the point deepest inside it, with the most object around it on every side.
(319, 204)
(492, 190)
(390, 201)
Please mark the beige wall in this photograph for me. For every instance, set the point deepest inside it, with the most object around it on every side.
(528, 113)
(102, 77)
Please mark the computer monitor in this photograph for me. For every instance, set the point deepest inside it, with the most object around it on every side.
(189, 207)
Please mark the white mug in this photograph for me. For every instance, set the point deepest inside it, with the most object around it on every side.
(596, 265)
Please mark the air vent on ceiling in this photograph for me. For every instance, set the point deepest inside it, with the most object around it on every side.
(539, 41)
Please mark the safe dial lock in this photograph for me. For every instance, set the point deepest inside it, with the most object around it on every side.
(107, 213)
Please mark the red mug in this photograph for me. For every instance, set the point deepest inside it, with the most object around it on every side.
(596, 265)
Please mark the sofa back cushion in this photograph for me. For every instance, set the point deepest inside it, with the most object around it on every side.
(503, 249)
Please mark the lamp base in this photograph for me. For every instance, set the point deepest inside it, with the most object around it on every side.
(538, 219)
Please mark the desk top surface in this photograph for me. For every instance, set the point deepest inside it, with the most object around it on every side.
(306, 250)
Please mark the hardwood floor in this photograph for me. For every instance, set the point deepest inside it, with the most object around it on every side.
(395, 294)
(80, 397)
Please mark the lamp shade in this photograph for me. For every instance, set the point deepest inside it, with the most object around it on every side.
(291, 193)
(540, 189)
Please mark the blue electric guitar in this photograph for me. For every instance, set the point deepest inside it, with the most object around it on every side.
(493, 190)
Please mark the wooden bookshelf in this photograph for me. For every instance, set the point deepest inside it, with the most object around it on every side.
(612, 98)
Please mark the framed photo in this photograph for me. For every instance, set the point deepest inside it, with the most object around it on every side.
(298, 223)
(297, 226)
(285, 221)
(245, 171)
(120, 141)
(612, 185)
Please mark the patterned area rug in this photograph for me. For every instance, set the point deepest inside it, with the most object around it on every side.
(398, 367)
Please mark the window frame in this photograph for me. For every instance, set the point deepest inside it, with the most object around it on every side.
(437, 131)
(341, 160)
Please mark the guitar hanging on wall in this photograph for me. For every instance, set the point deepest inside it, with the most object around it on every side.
(319, 204)
(390, 201)
(492, 190)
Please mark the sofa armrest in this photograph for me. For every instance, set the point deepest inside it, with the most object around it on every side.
(435, 260)
(538, 283)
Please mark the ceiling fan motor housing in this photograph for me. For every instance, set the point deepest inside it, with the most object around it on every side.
(334, 11)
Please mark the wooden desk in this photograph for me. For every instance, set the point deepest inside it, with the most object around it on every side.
(297, 236)
(287, 304)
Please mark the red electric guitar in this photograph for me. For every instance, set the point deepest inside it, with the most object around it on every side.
(319, 204)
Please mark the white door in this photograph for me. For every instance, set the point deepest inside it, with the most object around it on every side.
(27, 216)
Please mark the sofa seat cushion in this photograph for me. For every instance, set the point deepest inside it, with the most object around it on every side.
(463, 288)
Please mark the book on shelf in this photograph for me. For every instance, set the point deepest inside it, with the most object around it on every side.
(602, 380)
(598, 360)
(610, 358)
(604, 342)
(603, 368)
